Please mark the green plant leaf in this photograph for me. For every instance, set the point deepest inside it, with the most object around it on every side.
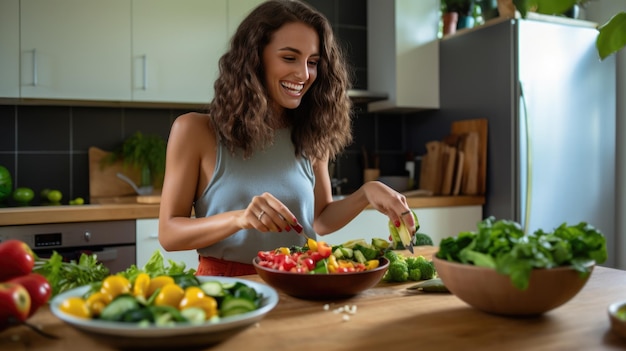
(612, 36)
(553, 7)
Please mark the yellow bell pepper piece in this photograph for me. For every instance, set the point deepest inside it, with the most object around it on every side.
(371, 264)
(312, 244)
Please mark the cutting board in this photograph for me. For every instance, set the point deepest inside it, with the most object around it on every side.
(478, 126)
(469, 146)
(449, 165)
(105, 187)
(431, 170)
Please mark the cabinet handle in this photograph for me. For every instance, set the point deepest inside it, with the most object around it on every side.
(35, 78)
(145, 73)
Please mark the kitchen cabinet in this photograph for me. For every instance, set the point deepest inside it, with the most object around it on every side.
(147, 243)
(10, 44)
(176, 46)
(75, 49)
(437, 222)
(403, 54)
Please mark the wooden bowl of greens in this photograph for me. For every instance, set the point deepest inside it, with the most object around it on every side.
(500, 269)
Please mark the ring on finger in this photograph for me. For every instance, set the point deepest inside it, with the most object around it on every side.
(261, 215)
(405, 213)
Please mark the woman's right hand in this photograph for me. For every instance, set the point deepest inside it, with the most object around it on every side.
(266, 213)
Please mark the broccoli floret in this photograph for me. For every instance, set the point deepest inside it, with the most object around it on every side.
(415, 274)
(421, 239)
(398, 271)
(412, 262)
(427, 269)
(392, 256)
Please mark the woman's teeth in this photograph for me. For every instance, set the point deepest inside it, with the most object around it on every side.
(296, 88)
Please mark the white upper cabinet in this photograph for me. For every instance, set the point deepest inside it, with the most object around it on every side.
(75, 49)
(9, 48)
(403, 54)
(176, 48)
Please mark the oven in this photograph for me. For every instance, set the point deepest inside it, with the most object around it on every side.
(113, 242)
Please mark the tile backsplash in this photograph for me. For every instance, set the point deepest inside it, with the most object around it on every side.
(47, 146)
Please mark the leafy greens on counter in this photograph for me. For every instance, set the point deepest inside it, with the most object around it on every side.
(503, 245)
(64, 276)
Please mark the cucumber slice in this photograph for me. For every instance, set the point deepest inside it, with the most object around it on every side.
(350, 244)
(359, 257)
(236, 305)
(235, 311)
(195, 315)
(347, 252)
(213, 288)
(115, 310)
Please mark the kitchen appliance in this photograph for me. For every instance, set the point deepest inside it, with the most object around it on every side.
(551, 109)
(113, 242)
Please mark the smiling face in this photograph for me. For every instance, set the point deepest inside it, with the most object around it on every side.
(290, 61)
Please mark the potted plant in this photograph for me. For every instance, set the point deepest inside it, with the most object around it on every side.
(145, 153)
(463, 10)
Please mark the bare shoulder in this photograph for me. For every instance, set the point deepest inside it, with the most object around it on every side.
(192, 120)
(193, 125)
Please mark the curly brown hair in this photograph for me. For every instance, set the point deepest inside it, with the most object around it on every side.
(321, 124)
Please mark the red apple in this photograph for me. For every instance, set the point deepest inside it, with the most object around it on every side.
(38, 288)
(16, 259)
(14, 304)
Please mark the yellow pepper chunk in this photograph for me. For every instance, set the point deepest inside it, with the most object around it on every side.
(96, 302)
(312, 244)
(284, 250)
(372, 264)
(158, 282)
(75, 306)
(195, 297)
(115, 285)
(332, 264)
(170, 295)
(142, 285)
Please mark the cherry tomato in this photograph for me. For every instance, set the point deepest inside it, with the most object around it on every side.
(14, 304)
(38, 288)
(308, 263)
(16, 259)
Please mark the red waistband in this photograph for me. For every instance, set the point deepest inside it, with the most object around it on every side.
(219, 267)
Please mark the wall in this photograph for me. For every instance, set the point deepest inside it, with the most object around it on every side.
(46, 146)
(600, 12)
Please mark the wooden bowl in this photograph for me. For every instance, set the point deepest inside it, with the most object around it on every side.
(492, 292)
(321, 286)
(618, 325)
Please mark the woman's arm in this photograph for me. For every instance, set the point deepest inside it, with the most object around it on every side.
(190, 162)
(331, 216)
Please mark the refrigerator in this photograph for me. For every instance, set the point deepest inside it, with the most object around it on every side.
(551, 109)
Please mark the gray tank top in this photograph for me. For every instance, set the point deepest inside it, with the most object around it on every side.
(235, 181)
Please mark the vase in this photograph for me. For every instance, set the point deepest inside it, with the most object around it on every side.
(450, 20)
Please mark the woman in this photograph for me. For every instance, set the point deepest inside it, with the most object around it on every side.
(255, 166)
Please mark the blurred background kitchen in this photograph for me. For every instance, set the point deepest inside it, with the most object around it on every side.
(44, 138)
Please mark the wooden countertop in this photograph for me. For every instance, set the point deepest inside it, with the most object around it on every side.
(123, 211)
(389, 317)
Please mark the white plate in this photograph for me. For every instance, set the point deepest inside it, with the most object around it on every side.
(121, 334)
